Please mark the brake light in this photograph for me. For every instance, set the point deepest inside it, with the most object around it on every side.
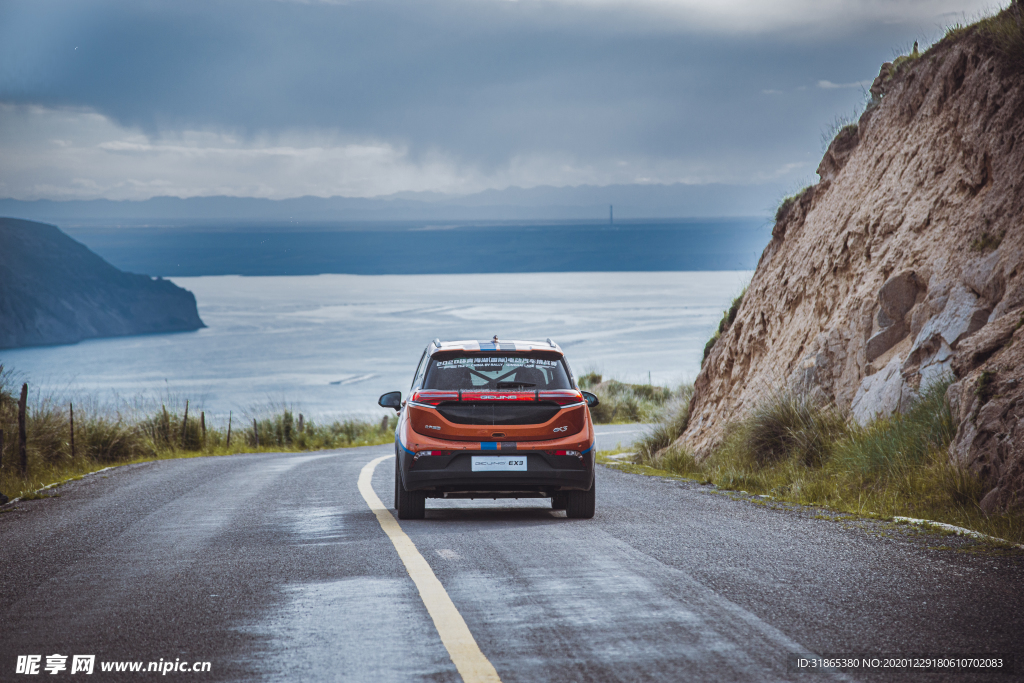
(499, 396)
(433, 397)
(562, 397)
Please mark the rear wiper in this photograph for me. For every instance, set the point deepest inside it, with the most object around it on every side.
(512, 385)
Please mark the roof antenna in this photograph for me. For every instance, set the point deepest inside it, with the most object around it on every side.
(437, 342)
(551, 343)
(495, 340)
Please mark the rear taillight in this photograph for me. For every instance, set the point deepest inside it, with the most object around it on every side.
(563, 397)
(434, 397)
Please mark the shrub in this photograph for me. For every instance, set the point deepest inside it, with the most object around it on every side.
(728, 317)
(789, 425)
(672, 421)
(785, 205)
(987, 241)
(901, 441)
(106, 435)
(623, 402)
(1006, 32)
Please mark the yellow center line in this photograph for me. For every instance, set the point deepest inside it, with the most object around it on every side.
(473, 666)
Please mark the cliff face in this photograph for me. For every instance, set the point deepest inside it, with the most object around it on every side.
(904, 263)
(53, 290)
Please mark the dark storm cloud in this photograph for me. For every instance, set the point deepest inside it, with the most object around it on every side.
(483, 81)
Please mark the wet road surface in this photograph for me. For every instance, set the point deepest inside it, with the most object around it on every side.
(273, 567)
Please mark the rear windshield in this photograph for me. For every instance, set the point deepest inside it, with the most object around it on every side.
(500, 370)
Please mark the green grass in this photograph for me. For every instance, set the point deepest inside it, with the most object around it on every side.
(841, 125)
(621, 402)
(804, 450)
(728, 317)
(956, 30)
(1006, 32)
(108, 435)
(786, 204)
(987, 242)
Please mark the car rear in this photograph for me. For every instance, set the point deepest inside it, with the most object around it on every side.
(495, 420)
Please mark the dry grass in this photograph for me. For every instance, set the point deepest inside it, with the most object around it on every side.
(728, 317)
(806, 451)
(1006, 32)
(621, 402)
(130, 432)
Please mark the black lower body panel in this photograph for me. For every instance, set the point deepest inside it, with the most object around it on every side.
(453, 475)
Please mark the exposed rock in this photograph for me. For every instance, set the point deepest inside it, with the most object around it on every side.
(838, 152)
(905, 264)
(53, 290)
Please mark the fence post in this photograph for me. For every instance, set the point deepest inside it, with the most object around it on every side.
(22, 433)
(202, 425)
(1, 449)
(72, 408)
(300, 423)
(256, 433)
(184, 423)
(229, 429)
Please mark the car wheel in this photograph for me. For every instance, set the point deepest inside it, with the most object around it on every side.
(409, 504)
(558, 500)
(581, 504)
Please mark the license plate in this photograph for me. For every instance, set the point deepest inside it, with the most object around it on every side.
(498, 463)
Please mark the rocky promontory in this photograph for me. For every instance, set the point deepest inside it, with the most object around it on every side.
(902, 266)
(53, 290)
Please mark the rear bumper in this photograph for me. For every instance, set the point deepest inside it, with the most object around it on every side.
(545, 474)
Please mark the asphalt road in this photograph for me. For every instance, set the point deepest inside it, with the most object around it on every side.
(272, 567)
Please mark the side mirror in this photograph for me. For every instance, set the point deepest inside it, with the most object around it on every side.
(392, 399)
(590, 398)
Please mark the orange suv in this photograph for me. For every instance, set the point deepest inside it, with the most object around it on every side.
(494, 419)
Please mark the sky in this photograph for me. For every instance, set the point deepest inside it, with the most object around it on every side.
(361, 98)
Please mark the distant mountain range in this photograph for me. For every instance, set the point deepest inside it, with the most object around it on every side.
(584, 202)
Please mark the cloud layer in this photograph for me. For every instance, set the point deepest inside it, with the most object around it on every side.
(276, 99)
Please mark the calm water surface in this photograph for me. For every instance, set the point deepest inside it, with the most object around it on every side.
(329, 345)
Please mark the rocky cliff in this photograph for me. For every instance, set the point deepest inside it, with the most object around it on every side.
(904, 263)
(53, 290)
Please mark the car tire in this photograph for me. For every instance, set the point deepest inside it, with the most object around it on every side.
(581, 504)
(408, 504)
(558, 500)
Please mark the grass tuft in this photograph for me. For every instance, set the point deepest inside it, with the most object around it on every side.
(805, 450)
(672, 421)
(728, 318)
(987, 242)
(788, 426)
(621, 402)
(111, 435)
(1006, 31)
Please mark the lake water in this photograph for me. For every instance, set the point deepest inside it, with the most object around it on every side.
(329, 345)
